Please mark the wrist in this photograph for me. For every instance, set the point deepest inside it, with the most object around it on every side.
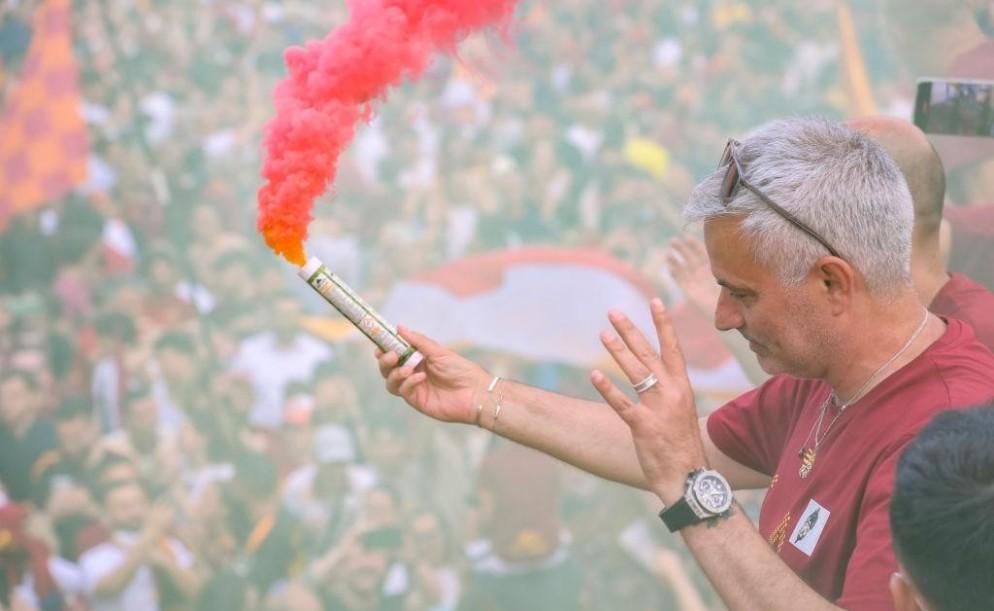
(488, 404)
(670, 491)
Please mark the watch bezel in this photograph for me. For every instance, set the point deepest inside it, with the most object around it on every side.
(695, 496)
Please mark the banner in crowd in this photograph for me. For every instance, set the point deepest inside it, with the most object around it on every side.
(549, 304)
(44, 145)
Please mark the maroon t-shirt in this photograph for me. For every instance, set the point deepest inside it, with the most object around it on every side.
(962, 298)
(832, 528)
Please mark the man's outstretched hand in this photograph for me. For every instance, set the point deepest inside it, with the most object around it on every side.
(663, 419)
(445, 386)
(688, 263)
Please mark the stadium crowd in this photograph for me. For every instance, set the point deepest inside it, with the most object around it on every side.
(176, 429)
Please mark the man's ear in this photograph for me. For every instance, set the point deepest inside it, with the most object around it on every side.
(838, 280)
(904, 593)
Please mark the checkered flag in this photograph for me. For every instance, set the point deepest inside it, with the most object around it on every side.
(43, 140)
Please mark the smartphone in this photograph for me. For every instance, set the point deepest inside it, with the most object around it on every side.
(955, 107)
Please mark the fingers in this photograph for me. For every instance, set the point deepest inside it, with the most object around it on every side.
(634, 339)
(670, 353)
(691, 251)
(676, 264)
(422, 343)
(386, 361)
(407, 386)
(614, 397)
(633, 368)
(397, 377)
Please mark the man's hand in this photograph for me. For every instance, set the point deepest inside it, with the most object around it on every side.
(688, 263)
(158, 521)
(446, 386)
(663, 420)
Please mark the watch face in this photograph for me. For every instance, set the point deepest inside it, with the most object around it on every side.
(712, 492)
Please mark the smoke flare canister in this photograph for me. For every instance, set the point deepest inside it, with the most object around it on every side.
(359, 313)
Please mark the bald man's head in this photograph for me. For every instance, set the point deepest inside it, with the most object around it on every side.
(919, 163)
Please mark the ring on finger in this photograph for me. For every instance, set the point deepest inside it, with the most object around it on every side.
(646, 383)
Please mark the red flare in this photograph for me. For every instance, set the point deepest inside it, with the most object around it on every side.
(330, 86)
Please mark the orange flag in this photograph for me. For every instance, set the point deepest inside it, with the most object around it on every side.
(857, 81)
(43, 141)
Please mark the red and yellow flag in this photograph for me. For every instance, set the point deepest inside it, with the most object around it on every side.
(43, 140)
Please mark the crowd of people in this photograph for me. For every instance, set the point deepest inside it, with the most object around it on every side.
(177, 429)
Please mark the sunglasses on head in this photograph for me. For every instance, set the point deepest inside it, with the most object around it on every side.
(730, 186)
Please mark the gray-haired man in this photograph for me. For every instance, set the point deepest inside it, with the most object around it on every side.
(807, 225)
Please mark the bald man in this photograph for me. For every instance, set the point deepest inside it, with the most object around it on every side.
(948, 295)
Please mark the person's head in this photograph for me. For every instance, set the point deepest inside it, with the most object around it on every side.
(231, 275)
(922, 170)
(335, 395)
(140, 415)
(75, 427)
(177, 356)
(428, 537)
(161, 270)
(368, 561)
(125, 506)
(298, 424)
(783, 288)
(115, 330)
(381, 506)
(18, 398)
(286, 314)
(334, 451)
(940, 514)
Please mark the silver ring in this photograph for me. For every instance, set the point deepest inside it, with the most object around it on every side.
(648, 382)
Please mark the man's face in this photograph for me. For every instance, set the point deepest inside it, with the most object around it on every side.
(176, 364)
(76, 435)
(366, 569)
(127, 506)
(286, 315)
(16, 401)
(142, 417)
(781, 323)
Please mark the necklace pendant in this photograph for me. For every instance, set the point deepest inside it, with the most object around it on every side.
(807, 462)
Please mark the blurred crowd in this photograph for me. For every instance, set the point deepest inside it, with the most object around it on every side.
(177, 432)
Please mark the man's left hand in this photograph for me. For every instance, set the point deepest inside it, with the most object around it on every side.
(663, 418)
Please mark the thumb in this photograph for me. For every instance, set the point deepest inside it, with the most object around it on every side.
(422, 343)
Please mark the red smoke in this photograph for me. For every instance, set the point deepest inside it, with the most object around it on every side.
(330, 87)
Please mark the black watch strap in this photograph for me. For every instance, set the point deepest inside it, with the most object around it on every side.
(679, 515)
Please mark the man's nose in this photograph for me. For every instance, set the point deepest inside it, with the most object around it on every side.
(726, 314)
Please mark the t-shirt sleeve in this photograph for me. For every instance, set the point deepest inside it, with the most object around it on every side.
(96, 564)
(753, 428)
(867, 581)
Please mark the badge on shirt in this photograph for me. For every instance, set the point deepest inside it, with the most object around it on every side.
(809, 527)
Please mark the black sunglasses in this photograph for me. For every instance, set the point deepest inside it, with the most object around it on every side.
(730, 185)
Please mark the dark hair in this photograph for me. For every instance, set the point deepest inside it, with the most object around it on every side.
(72, 407)
(116, 325)
(27, 377)
(941, 510)
(176, 340)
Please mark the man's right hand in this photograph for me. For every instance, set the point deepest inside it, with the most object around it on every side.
(445, 386)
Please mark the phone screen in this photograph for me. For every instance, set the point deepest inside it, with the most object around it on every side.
(955, 108)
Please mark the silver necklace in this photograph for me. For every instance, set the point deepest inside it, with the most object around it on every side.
(808, 454)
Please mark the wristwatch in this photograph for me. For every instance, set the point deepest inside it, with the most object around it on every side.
(708, 496)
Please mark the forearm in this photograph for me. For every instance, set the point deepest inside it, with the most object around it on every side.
(186, 580)
(744, 569)
(112, 583)
(585, 434)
